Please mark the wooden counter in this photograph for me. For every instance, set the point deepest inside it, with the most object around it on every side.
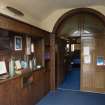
(12, 93)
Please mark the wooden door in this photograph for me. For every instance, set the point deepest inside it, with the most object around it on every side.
(92, 74)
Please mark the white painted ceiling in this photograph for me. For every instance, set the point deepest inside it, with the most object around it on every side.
(41, 9)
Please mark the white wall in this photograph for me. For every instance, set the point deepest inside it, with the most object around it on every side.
(25, 18)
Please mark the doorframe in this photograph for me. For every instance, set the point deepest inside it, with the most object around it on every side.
(56, 30)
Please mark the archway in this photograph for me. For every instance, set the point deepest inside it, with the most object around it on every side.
(88, 25)
(75, 11)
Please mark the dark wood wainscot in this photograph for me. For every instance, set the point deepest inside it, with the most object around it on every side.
(12, 92)
(28, 88)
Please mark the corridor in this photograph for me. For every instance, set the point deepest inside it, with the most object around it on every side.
(72, 80)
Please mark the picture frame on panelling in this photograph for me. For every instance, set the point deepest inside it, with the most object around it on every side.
(18, 43)
(3, 69)
(100, 60)
(28, 45)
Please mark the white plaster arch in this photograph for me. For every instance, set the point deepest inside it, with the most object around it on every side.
(50, 21)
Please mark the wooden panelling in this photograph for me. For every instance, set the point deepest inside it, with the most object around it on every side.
(52, 62)
(60, 61)
(92, 75)
(39, 51)
(18, 26)
(11, 92)
(47, 59)
(90, 26)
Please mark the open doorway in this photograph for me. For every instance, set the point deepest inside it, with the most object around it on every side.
(88, 25)
(72, 63)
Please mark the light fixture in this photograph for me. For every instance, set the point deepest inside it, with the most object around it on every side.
(15, 11)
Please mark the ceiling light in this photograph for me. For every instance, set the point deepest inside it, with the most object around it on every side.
(15, 11)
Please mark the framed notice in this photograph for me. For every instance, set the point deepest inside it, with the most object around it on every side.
(3, 69)
(87, 59)
(86, 51)
(18, 43)
(100, 60)
(28, 45)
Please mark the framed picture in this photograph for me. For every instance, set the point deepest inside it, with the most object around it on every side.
(100, 60)
(87, 59)
(28, 45)
(18, 43)
(3, 69)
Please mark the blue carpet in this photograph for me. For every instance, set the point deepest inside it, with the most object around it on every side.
(65, 96)
(72, 98)
(72, 80)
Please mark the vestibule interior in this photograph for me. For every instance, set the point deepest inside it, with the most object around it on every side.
(85, 30)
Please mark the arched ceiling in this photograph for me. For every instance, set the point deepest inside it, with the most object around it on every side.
(38, 12)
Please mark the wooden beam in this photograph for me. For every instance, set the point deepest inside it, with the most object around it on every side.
(52, 62)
